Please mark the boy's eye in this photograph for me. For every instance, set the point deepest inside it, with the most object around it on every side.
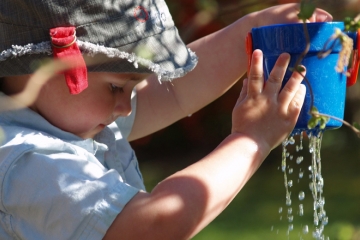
(115, 88)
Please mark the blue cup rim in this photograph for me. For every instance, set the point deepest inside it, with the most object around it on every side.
(319, 33)
(335, 23)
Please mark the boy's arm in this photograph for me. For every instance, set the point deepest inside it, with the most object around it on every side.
(184, 203)
(222, 61)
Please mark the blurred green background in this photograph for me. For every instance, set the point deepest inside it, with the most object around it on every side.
(254, 213)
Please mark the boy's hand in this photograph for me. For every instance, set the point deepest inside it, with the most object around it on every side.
(287, 13)
(263, 112)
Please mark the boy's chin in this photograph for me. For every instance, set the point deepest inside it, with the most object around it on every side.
(91, 133)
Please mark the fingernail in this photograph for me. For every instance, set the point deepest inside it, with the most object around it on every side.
(303, 87)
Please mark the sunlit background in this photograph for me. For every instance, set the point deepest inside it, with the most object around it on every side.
(254, 214)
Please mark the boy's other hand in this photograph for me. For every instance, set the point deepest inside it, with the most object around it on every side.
(287, 13)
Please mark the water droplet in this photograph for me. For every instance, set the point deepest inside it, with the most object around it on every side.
(301, 174)
(317, 234)
(301, 195)
(306, 229)
(291, 141)
(320, 183)
(301, 210)
(316, 219)
(291, 170)
(280, 210)
(311, 150)
(301, 140)
(283, 165)
(290, 183)
(290, 218)
(325, 221)
(311, 186)
(289, 210)
(291, 227)
(299, 159)
(288, 202)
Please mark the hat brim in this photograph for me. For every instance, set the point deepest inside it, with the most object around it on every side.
(165, 55)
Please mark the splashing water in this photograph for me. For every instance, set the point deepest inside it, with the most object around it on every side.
(283, 169)
(316, 184)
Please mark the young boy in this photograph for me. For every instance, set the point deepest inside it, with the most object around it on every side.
(67, 170)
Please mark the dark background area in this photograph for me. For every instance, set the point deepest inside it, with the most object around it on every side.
(254, 212)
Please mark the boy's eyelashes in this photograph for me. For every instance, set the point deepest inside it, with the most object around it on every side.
(115, 88)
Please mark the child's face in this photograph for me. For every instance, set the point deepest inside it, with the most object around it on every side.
(107, 97)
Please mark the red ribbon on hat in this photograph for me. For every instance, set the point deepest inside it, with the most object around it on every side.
(64, 46)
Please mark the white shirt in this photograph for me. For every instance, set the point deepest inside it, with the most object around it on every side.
(55, 185)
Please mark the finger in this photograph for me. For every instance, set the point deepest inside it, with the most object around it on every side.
(256, 76)
(273, 84)
(297, 102)
(290, 89)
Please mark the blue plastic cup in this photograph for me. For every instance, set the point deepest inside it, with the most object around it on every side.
(328, 86)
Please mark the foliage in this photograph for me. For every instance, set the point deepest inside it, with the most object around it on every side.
(317, 119)
(306, 10)
(356, 125)
(352, 25)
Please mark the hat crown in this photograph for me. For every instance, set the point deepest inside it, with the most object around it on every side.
(141, 32)
(32, 19)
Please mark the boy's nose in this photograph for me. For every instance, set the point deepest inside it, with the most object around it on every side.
(123, 106)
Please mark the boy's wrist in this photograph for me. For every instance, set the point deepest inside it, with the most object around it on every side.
(252, 20)
(256, 145)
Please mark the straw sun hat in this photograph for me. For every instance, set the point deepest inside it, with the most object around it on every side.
(131, 36)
